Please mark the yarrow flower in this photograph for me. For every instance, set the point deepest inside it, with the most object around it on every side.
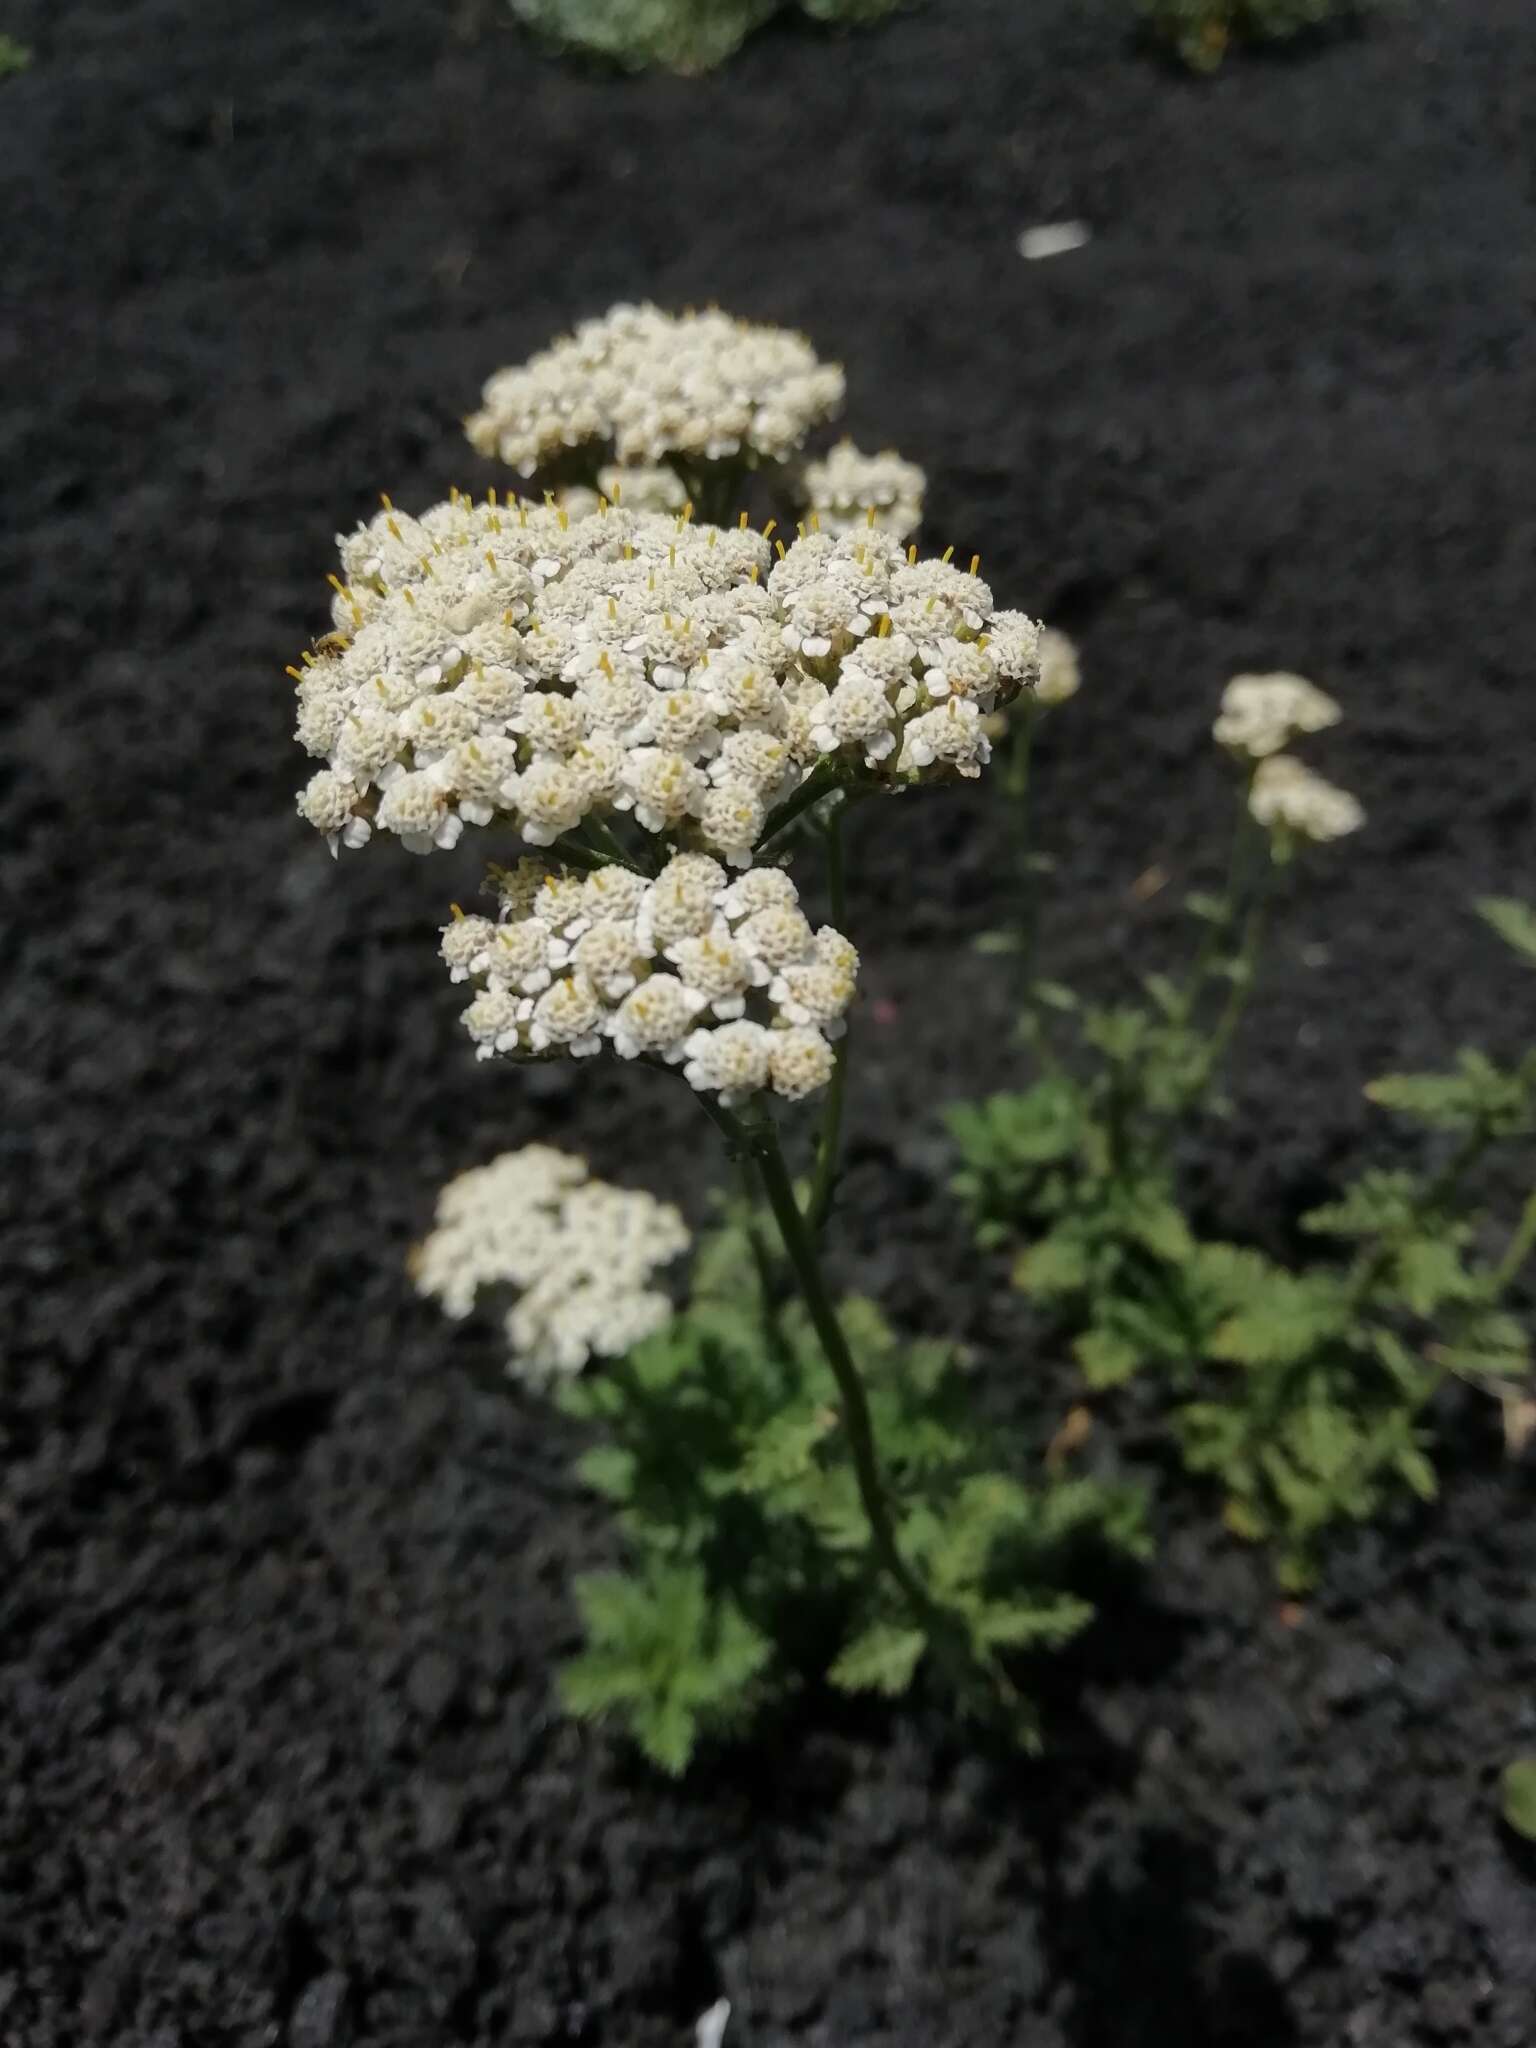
(581, 1254)
(1288, 797)
(846, 486)
(1261, 714)
(508, 664)
(725, 979)
(1061, 674)
(648, 385)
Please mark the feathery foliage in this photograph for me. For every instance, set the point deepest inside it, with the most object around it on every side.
(723, 1456)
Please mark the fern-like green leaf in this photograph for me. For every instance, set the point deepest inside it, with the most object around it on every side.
(883, 1658)
(784, 1449)
(1107, 1358)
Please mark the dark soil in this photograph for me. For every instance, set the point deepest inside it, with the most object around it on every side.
(281, 1590)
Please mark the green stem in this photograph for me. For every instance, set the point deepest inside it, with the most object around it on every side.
(1521, 1244)
(757, 1144)
(821, 779)
(606, 842)
(1244, 970)
(824, 1184)
(800, 1248)
(762, 1259)
(587, 858)
(1244, 837)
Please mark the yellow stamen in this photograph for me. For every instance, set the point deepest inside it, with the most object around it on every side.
(768, 529)
(948, 554)
(975, 563)
(912, 552)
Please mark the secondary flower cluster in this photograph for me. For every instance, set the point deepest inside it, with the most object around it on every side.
(725, 978)
(1289, 797)
(1261, 714)
(649, 384)
(845, 486)
(582, 1253)
(509, 663)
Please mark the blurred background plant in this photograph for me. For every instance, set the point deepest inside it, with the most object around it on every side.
(688, 36)
(14, 56)
(1301, 1392)
(1200, 32)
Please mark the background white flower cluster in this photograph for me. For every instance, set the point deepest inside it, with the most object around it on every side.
(1289, 797)
(582, 1254)
(1260, 716)
(845, 486)
(723, 977)
(649, 384)
(511, 663)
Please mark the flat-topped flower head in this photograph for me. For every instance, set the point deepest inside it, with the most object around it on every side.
(1260, 714)
(849, 490)
(582, 1254)
(644, 385)
(1291, 801)
(658, 970)
(688, 677)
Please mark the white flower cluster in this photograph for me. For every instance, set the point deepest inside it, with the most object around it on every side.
(845, 486)
(510, 663)
(724, 978)
(1061, 675)
(581, 1253)
(1261, 714)
(1288, 797)
(650, 384)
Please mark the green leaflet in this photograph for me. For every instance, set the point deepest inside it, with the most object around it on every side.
(664, 1657)
(882, 1658)
(1517, 1796)
(1514, 921)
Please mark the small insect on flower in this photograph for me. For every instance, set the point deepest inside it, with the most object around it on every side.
(582, 1254)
